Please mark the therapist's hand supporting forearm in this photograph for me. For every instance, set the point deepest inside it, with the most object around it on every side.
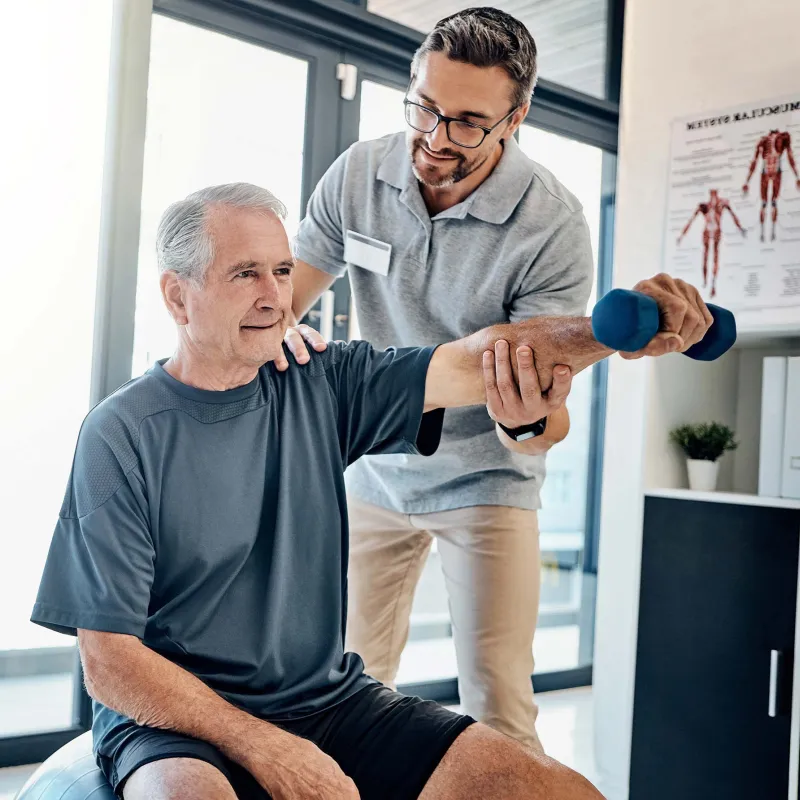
(519, 401)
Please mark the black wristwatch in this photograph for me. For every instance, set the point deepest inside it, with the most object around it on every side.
(526, 431)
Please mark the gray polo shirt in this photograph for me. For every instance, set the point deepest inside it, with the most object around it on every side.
(516, 248)
(213, 525)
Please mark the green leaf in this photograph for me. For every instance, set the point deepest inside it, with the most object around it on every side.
(706, 441)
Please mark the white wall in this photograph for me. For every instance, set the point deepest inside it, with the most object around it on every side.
(681, 58)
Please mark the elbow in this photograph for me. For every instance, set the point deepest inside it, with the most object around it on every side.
(93, 678)
(93, 664)
(100, 652)
(558, 428)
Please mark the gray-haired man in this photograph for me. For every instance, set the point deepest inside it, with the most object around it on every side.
(445, 229)
(201, 551)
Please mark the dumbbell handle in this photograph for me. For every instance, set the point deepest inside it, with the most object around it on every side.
(627, 321)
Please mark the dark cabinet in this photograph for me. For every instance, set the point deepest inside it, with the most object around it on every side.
(712, 701)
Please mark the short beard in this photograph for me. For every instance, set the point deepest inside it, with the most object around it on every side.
(462, 169)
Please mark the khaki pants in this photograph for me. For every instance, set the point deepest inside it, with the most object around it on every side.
(491, 563)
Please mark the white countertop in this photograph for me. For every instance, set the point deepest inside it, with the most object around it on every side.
(731, 498)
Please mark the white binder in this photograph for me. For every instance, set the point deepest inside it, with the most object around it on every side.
(790, 484)
(773, 418)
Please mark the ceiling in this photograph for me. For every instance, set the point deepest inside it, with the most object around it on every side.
(570, 34)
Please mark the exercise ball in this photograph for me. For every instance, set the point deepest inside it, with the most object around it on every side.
(69, 774)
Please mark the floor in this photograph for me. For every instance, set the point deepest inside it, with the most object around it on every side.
(11, 780)
(565, 728)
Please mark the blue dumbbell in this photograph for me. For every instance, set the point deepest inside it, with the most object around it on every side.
(627, 321)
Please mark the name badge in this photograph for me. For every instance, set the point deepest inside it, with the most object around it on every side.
(371, 254)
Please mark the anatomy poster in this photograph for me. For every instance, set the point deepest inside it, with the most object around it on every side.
(733, 213)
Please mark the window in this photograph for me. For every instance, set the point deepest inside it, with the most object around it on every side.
(570, 37)
(54, 77)
(219, 110)
(566, 590)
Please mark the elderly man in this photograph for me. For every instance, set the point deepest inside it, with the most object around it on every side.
(201, 552)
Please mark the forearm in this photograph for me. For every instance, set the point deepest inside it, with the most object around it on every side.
(133, 680)
(455, 376)
(556, 431)
(688, 224)
(308, 284)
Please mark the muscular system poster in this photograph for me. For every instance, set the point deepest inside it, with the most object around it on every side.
(733, 212)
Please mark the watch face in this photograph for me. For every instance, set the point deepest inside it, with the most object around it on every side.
(527, 431)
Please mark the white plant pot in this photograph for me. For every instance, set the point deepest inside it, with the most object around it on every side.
(702, 474)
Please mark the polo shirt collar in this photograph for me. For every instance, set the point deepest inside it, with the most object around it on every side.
(493, 201)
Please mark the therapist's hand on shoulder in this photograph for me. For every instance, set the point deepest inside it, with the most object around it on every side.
(519, 401)
(297, 338)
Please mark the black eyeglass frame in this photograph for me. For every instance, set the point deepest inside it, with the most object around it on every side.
(440, 118)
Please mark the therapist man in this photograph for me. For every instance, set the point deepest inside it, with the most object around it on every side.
(443, 229)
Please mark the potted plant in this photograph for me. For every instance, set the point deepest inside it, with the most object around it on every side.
(703, 443)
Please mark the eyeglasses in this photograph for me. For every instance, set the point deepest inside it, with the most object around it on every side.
(461, 133)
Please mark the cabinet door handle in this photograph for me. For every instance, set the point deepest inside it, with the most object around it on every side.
(774, 671)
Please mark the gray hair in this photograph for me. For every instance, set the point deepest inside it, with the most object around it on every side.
(184, 244)
(485, 37)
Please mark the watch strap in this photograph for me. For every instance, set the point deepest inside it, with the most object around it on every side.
(526, 432)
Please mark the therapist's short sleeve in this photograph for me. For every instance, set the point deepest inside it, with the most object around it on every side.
(320, 239)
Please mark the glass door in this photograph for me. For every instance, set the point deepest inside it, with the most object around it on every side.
(219, 110)
(429, 659)
(565, 633)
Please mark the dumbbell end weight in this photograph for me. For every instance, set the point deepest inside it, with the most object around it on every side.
(721, 336)
(627, 321)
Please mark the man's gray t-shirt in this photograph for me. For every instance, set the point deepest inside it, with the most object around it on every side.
(213, 525)
(517, 247)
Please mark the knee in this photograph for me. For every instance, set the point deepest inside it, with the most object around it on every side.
(177, 778)
(516, 772)
(567, 784)
(535, 775)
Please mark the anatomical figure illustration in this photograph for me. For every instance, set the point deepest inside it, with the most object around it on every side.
(712, 210)
(771, 149)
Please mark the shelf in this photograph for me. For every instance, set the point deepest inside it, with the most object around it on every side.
(729, 498)
(787, 337)
(767, 328)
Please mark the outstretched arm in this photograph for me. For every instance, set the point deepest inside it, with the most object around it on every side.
(752, 169)
(735, 218)
(689, 224)
(455, 376)
(790, 156)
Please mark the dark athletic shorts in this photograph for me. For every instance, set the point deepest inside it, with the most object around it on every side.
(389, 744)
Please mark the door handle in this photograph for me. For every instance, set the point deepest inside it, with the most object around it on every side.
(781, 666)
(774, 673)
